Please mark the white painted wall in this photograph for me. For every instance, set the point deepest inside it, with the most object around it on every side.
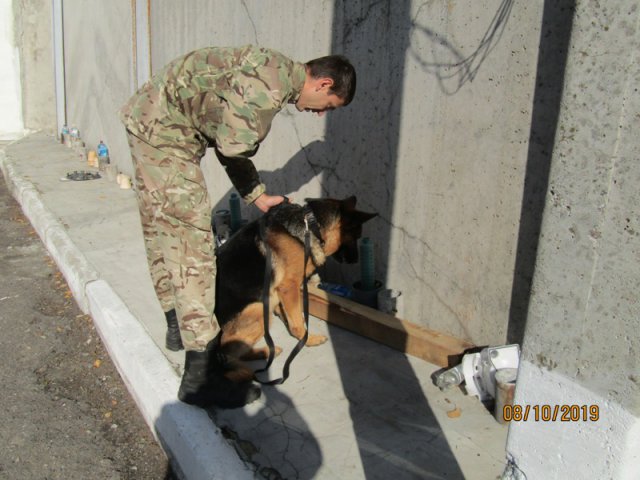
(11, 125)
(600, 438)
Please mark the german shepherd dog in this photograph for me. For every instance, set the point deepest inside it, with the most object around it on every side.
(241, 267)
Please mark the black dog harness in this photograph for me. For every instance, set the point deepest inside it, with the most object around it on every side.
(310, 225)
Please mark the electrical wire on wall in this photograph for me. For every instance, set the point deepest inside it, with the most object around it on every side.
(452, 75)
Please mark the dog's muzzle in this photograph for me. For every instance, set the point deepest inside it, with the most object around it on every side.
(347, 254)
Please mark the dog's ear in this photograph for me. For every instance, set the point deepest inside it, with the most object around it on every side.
(349, 203)
(362, 217)
(308, 200)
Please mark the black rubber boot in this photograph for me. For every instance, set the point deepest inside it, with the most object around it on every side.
(173, 341)
(204, 384)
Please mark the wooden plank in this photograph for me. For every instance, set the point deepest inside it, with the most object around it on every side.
(430, 345)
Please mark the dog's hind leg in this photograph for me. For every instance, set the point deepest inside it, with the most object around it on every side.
(241, 333)
(279, 312)
(291, 303)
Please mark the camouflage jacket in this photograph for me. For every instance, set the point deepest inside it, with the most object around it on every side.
(220, 97)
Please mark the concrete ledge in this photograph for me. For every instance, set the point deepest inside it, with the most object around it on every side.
(193, 443)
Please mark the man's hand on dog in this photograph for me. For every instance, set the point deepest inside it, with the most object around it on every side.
(264, 202)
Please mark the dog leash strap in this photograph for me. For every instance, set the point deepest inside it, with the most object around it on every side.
(305, 308)
(266, 314)
(305, 305)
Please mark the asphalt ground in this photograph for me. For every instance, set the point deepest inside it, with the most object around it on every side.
(65, 412)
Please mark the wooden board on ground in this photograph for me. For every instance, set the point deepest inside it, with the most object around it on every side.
(430, 345)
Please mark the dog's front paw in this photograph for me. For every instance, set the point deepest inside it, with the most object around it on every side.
(315, 340)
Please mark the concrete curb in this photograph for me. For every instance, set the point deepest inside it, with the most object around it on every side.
(200, 453)
(193, 443)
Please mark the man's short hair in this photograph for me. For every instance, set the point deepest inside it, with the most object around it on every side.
(339, 69)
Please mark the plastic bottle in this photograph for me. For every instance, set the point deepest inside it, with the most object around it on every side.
(102, 150)
(64, 135)
(103, 156)
(74, 133)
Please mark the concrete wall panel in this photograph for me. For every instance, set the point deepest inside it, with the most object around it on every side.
(581, 343)
(33, 37)
(586, 280)
(11, 121)
(462, 147)
(98, 72)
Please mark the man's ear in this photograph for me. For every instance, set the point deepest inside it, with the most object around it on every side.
(325, 82)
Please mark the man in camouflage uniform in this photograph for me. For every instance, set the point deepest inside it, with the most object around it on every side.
(223, 98)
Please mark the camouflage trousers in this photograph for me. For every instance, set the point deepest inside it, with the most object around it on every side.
(176, 223)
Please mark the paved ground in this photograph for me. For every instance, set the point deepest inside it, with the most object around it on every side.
(65, 412)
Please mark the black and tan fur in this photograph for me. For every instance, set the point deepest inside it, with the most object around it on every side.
(241, 267)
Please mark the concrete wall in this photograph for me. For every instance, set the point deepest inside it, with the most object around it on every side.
(98, 59)
(33, 39)
(582, 345)
(11, 123)
(435, 141)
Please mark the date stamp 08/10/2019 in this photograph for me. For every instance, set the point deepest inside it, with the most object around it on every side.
(551, 413)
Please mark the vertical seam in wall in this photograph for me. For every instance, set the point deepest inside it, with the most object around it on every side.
(57, 21)
(141, 38)
(149, 37)
(134, 49)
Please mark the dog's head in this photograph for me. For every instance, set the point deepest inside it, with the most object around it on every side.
(341, 225)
